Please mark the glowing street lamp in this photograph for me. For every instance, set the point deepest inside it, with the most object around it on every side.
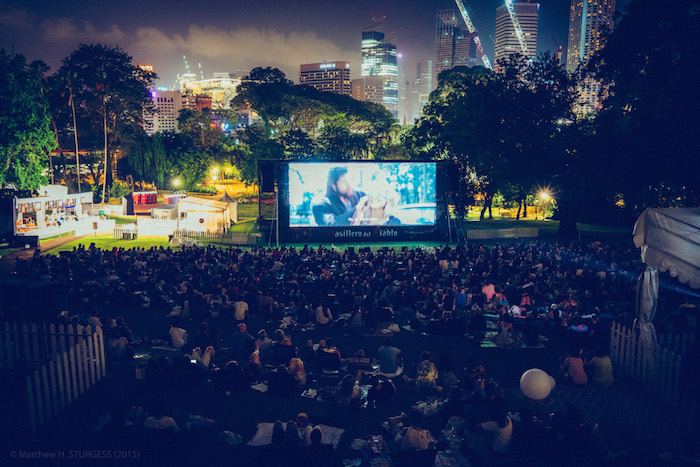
(176, 182)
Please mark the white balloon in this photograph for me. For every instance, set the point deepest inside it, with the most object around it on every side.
(536, 384)
(175, 242)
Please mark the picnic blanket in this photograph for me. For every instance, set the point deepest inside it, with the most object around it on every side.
(488, 343)
(331, 435)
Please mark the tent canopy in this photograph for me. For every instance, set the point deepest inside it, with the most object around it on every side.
(670, 241)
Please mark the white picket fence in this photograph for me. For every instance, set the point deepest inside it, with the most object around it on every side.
(656, 367)
(680, 344)
(229, 238)
(63, 363)
(495, 234)
(36, 343)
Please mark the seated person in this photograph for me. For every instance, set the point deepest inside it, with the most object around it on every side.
(427, 374)
(178, 336)
(318, 454)
(416, 437)
(281, 382)
(602, 370)
(231, 378)
(202, 358)
(348, 391)
(389, 358)
(296, 369)
(265, 346)
(304, 429)
(381, 392)
(499, 426)
(159, 421)
(574, 370)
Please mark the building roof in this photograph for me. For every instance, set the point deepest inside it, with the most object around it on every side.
(210, 203)
(225, 198)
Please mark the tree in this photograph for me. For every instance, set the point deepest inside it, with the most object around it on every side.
(26, 137)
(110, 95)
(647, 126)
(500, 124)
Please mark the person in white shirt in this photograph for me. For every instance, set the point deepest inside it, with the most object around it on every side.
(500, 427)
(178, 336)
(323, 315)
(160, 421)
(241, 310)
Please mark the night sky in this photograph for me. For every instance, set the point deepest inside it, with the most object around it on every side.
(234, 36)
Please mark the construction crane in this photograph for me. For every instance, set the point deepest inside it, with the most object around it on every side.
(474, 34)
(516, 24)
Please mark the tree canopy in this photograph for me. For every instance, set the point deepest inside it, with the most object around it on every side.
(26, 137)
(647, 125)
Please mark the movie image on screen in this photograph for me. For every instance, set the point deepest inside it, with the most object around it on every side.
(334, 194)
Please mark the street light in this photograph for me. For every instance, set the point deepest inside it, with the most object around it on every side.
(544, 195)
(176, 182)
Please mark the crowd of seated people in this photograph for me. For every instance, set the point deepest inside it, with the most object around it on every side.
(527, 287)
(559, 284)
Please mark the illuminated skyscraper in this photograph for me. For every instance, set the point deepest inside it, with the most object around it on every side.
(167, 105)
(589, 21)
(379, 59)
(327, 77)
(507, 42)
(452, 42)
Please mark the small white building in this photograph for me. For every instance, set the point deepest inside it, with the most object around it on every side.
(56, 212)
(203, 215)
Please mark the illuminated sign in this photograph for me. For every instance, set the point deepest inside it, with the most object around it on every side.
(323, 66)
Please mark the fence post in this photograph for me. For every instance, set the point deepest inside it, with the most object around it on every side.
(39, 405)
(74, 383)
(91, 355)
(32, 406)
(59, 375)
(25, 337)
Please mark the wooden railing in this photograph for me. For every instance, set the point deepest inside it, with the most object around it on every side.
(495, 234)
(652, 365)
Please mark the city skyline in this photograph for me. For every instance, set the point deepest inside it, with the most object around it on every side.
(160, 33)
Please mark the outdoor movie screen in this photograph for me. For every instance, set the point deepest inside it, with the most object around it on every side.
(336, 194)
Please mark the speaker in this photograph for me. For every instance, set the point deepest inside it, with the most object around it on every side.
(267, 177)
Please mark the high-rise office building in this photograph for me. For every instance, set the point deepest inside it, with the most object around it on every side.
(369, 89)
(424, 81)
(379, 59)
(452, 42)
(167, 106)
(327, 77)
(507, 41)
(589, 21)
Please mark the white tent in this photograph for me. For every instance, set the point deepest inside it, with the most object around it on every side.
(670, 241)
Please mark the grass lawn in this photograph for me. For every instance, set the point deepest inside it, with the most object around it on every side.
(245, 226)
(107, 242)
(547, 227)
(247, 210)
(120, 220)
